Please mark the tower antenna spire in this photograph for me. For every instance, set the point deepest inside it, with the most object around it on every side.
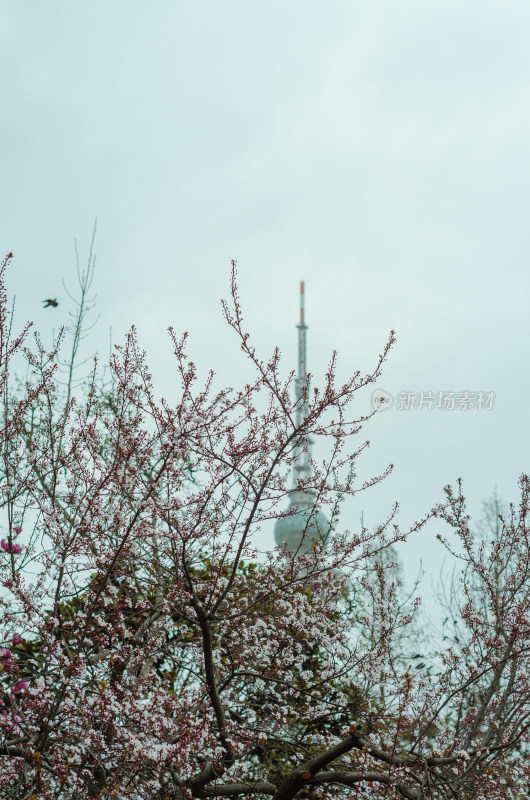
(302, 467)
(303, 522)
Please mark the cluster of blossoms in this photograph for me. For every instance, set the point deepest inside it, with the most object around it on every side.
(14, 547)
(10, 667)
(10, 710)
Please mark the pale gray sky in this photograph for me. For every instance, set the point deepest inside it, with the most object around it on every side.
(378, 150)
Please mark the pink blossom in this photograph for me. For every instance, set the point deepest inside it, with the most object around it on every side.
(14, 548)
(18, 528)
(17, 639)
(6, 655)
(19, 687)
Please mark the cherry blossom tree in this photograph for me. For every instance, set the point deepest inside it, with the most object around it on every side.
(152, 651)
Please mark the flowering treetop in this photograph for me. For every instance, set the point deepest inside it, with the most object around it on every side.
(148, 653)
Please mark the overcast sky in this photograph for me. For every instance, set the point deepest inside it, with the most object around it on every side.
(378, 150)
